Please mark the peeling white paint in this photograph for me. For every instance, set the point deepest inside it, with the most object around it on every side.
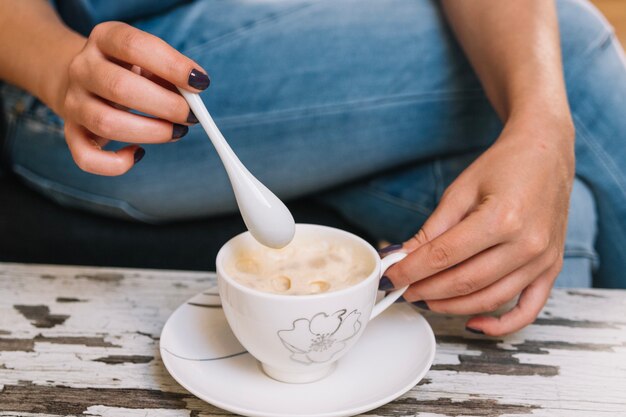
(129, 313)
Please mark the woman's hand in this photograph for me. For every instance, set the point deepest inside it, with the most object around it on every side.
(120, 68)
(498, 231)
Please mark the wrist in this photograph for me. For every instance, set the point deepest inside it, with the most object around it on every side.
(541, 111)
(549, 123)
(548, 132)
(52, 80)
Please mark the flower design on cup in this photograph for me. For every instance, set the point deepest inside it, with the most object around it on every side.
(319, 339)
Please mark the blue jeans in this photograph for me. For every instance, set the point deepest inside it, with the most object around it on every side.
(371, 106)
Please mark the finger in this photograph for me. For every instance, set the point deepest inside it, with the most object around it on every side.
(128, 89)
(528, 307)
(191, 117)
(146, 74)
(470, 276)
(494, 296)
(111, 123)
(90, 157)
(474, 234)
(452, 208)
(124, 42)
(158, 80)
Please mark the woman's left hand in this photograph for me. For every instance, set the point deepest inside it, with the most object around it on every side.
(498, 231)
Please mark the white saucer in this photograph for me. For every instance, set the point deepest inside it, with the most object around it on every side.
(202, 354)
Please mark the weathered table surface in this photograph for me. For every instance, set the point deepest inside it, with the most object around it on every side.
(84, 341)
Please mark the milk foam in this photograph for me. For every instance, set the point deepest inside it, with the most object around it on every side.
(301, 268)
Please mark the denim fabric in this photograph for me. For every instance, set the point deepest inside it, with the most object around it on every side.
(372, 103)
(83, 15)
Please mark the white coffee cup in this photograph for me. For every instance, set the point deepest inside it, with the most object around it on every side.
(299, 338)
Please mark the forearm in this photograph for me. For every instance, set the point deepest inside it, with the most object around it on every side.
(514, 48)
(35, 48)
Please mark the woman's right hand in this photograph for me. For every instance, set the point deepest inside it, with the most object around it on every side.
(120, 68)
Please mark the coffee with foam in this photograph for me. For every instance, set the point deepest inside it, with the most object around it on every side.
(301, 268)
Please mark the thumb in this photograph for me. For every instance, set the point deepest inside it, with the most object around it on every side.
(452, 208)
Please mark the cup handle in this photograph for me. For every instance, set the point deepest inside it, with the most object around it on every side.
(390, 298)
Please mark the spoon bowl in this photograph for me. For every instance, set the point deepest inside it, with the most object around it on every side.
(266, 217)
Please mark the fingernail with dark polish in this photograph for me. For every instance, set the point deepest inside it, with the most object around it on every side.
(198, 79)
(191, 118)
(475, 331)
(400, 300)
(179, 131)
(390, 248)
(385, 284)
(139, 153)
(421, 304)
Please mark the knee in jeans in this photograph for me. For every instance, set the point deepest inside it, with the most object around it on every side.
(582, 223)
(580, 256)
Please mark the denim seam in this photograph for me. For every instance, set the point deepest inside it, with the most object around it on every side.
(579, 253)
(597, 44)
(583, 254)
(600, 42)
(583, 135)
(397, 201)
(41, 182)
(594, 11)
(298, 113)
(221, 40)
(335, 108)
(583, 62)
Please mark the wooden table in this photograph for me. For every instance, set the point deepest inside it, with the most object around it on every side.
(84, 341)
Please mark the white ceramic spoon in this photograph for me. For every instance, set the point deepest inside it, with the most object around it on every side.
(266, 217)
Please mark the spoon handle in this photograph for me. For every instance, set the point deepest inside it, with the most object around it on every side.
(219, 142)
